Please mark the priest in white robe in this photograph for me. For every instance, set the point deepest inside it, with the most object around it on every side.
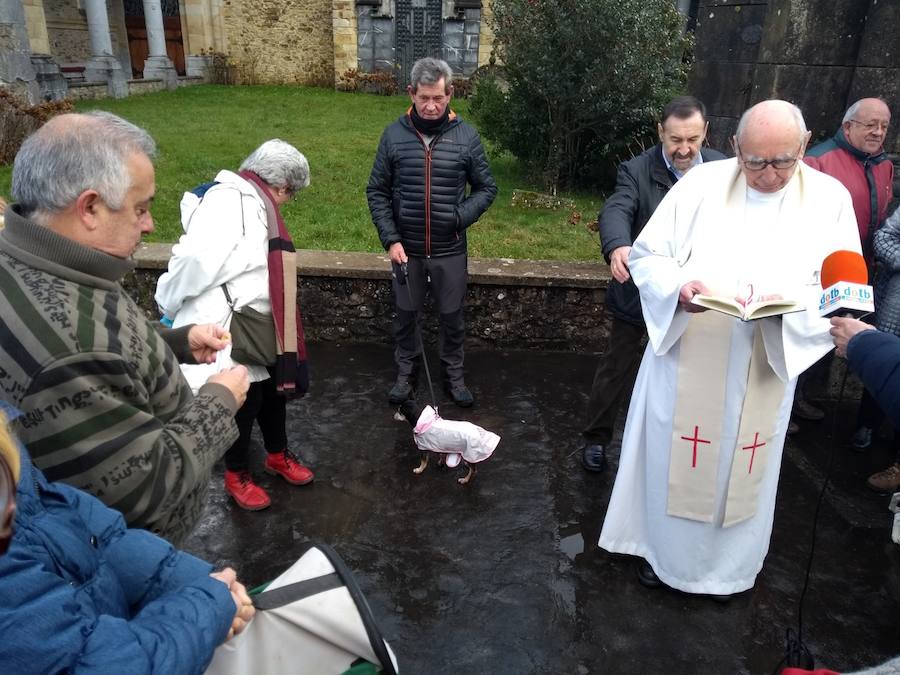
(701, 453)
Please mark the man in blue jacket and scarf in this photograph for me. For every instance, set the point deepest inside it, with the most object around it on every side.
(419, 202)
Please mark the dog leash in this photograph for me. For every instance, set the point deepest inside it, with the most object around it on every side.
(405, 282)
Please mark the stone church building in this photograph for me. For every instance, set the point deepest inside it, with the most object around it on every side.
(89, 48)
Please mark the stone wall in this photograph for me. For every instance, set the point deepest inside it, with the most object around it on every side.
(16, 69)
(511, 304)
(820, 54)
(461, 34)
(280, 42)
(84, 91)
(374, 39)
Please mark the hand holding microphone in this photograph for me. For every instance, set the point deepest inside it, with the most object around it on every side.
(843, 329)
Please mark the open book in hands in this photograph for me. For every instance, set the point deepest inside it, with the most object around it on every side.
(755, 309)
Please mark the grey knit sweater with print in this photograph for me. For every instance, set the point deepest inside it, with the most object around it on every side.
(886, 243)
(104, 404)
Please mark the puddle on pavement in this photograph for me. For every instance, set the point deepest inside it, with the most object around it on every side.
(571, 541)
(572, 545)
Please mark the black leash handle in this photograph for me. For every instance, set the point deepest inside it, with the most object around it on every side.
(404, 281)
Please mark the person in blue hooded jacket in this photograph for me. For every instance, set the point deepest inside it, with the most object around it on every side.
(82, 593)
(874, 356)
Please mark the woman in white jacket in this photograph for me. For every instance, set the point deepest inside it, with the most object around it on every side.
(232, 256)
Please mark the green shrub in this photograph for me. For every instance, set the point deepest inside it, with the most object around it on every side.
(581, 81)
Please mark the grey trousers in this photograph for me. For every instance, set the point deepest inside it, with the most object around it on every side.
(445, 280)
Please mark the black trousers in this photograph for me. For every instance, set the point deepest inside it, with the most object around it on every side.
(265, 406)
(613, 380)
(445, 280)
(871, 415)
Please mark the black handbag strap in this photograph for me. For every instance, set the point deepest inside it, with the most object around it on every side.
(228, 299)
(285, 595)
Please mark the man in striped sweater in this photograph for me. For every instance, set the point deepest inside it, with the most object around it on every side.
(104, 405)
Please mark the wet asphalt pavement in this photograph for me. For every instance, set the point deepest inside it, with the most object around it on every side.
(504, 575)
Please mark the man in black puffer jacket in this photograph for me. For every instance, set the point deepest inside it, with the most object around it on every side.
(641, 184)
(417, 196)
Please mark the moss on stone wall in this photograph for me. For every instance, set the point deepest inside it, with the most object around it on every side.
(279, 42)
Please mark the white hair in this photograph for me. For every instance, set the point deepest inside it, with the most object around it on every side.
(279, 164)
(795, 113)
(74, 153)
(851, 112)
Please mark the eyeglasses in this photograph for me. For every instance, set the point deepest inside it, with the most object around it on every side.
(289, 194)
(872, 126)
(781, 163)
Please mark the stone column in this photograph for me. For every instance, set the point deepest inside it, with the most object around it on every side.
(486, 35)
(49, 77)
(199, 35)
(208, 30)
(16, 69)
(343, 26)
(36, 24)
(684, 8)
(158, 64)
(103, 66)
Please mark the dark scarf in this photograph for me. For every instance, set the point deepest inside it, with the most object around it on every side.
(429, 127)
(290, 371)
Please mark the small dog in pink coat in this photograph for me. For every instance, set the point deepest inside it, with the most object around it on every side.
(453, 442)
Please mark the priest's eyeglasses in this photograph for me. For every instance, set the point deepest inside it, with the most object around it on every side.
(756, 164)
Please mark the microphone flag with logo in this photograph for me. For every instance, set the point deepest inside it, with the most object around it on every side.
(845, 288)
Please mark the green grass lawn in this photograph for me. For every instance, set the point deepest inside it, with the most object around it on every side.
(202, 129)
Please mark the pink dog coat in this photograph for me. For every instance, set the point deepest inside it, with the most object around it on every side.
(457, 440)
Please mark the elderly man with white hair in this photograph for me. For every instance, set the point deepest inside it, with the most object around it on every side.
(701, 454)
(855, 156)
(104, 405)
(236, 259)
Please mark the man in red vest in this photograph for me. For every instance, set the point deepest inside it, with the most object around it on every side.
(855, 156)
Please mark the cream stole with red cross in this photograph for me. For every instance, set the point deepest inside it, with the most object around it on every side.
(699, 416)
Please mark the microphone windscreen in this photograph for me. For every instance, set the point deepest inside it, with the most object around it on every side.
(844, 266)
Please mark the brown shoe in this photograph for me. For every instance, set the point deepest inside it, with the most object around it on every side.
(887, 481)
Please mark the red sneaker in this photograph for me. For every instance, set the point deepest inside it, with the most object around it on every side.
(246, 493)
(285, 464)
